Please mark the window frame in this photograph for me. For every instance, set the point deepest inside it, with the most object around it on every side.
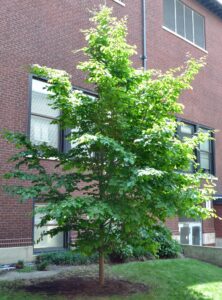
(193, 29)
(196, 127)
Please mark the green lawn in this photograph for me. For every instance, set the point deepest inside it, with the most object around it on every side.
(179, 279)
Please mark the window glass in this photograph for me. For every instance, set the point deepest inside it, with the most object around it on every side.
(205, 146)
(47, 241)
(188, 24)
(184, 235)
(42, 114)
(196, 235)
(199, 34)
(184, 21)
(42, 131)
(41, 105)
(186, 129)
(204, 161)
(180, 18)
(169, 14)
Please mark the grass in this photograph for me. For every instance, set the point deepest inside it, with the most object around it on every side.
(26, 269)
(178, 279)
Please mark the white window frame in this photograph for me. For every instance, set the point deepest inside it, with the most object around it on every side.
(190, 225)
(120, 2)
(184, 37)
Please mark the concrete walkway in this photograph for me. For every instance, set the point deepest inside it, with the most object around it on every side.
(51, 272)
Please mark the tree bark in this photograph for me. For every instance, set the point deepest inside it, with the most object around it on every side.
(101, 268)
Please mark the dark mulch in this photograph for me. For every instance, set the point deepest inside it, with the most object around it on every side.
(80, 286)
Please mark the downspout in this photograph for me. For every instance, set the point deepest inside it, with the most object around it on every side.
(144, 33)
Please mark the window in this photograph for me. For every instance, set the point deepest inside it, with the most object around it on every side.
(184, 21)
(47, 242)
(42, 114)
(41, 129)
(204, 154)
(187, 130)
(190, 233)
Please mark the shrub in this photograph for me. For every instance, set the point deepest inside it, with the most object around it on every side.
(19, 264)
(120, 255)
(130, 253)
(41, 265)
(67, 258)
(163, 246)
(168, 247)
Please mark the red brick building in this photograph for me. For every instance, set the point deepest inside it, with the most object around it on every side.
(46, 32)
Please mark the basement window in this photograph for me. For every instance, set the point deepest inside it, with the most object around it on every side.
(46, 242)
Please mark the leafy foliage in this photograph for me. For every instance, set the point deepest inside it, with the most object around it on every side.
(67, 258)
(168, 247)
(156, 242)
(126, 152)
(41, 265)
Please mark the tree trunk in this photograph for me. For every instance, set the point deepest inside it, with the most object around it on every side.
(101, 268)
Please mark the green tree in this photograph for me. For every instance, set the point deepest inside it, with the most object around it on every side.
(124, 148)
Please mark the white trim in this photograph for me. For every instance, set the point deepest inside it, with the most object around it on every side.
(183, 38)
(120, 2)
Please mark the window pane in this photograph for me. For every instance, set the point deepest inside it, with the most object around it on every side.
(204, 161)
(199, 34)
(47, 241)
(169, 14)
(42, 131)
(196, 235)
(186, 129)
(40, 105)
(205, 146)
(184, 235)
(188, 24)
(180, 17)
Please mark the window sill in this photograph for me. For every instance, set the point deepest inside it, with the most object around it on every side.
(182, 38)
(120, 2)
(48, 158)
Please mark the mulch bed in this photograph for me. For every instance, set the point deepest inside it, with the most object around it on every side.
(89, 286)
